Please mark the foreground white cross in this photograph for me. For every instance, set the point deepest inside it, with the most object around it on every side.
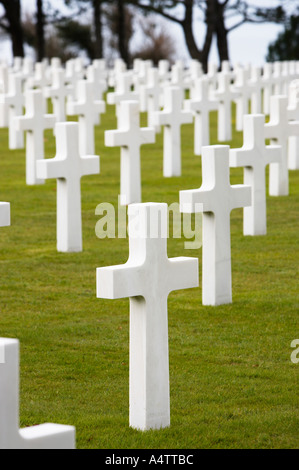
(201, 104)
(129, 136)
(44, 436)
(172, 117)
(254, 156)
(86, 107)
(147, 279)
(216, 199)
(68, 167)
(279, 128)
(34, 123)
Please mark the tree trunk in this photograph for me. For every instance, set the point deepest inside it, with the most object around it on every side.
(40, 31)
(222, 33)
(194, 51)
(122, 42)
(97, 16)
(13, 16)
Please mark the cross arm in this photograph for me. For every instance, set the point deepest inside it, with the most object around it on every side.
(271, 131)
(183, 273)
(4, 214)
(117, 138)
(147, 135)
(90, 165)
(273, 154)
(240, 196)
(162, 118)
(294, 128)
(117, 282)
(23, 123)
(100, 106)
(50, 436)
(51, 168)
(240, 157)
(194, 201)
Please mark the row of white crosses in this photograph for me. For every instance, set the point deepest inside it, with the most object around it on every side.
(149, 371)
(149, 375)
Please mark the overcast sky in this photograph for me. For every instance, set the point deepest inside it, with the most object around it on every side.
(249, 43)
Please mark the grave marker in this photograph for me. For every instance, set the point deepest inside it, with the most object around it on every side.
(68, 167)
(254, 156)
(34, 123)
(86, 108)
(172, 117)
(216, 199)
(147, 279)
(44, 436)
(279, 128)
(129, 136)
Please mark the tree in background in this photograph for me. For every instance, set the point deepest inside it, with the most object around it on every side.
(157, 43)
(286, 46)
(11, 23)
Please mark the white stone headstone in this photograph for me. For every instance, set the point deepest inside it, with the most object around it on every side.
(201, 104)
(58, 92)
(14, 99)
(86, 108)
(4, 84)
(68, 167)
(293, 112)
(225, 95)
(129, 136)
(216, 199)
(44, 436)
(172, 117)
(255, 84)
(123, 91)
(242, 101)
(254, 156)
(279, 129)
(147, 279)
(267, 80)
(34, 123)
(4, 214)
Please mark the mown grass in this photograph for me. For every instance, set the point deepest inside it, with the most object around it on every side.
(232, 382)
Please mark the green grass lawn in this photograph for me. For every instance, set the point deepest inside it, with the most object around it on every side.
(232, 383)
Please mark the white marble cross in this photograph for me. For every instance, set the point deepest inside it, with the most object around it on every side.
(129, 136)
(225, 95)
(34, 122)
(14, 100)
(4, 214)
(216, 199)
(279, 128)
(4, 84)
(267, 80)
(293, 112)
(255, 84)
(242, 101)
(254, 156)
(44, 436)
(58, 93)
(201, 104)
(172, 117)
(147, 279)
(151, 92)
(68, 167)
(123, 91)
(86, 107)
